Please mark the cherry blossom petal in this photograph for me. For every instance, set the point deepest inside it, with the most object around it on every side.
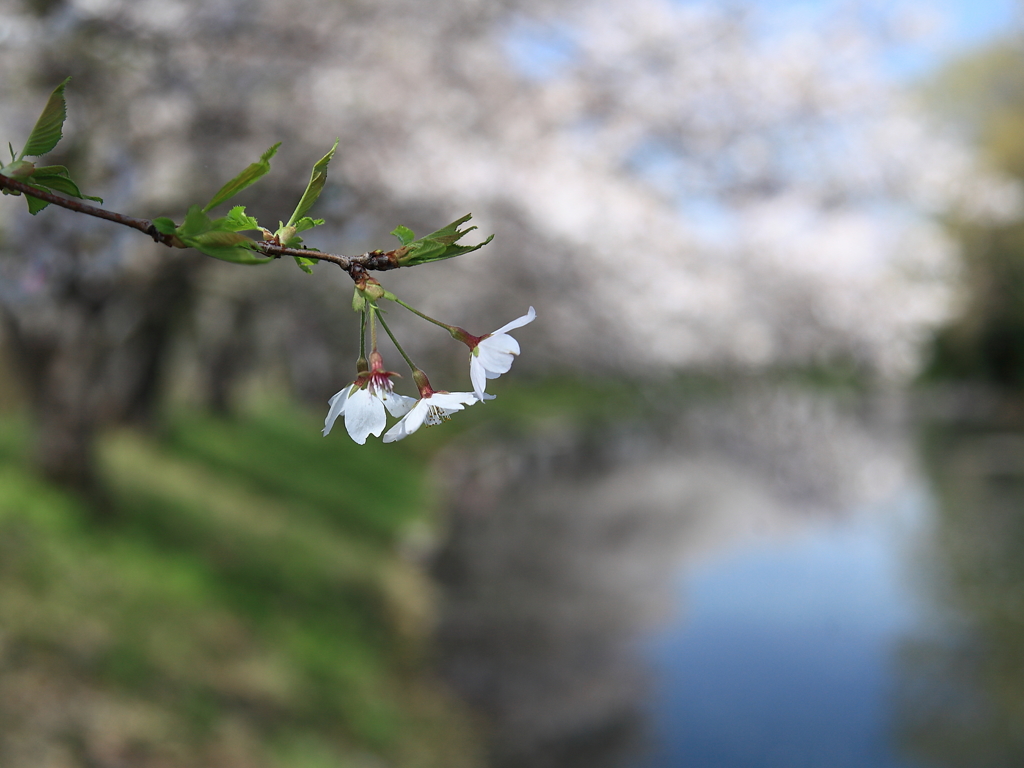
(364, 415)
(397, 405)
(453, 401)
(519, 322)
(477, 375)
(496, 353)
(413, 420)
(430, 410)
(337, 407)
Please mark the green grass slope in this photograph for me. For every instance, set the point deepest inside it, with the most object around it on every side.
(245, 606)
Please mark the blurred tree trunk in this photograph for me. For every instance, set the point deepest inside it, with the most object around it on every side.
(96, 356)
(226, 353)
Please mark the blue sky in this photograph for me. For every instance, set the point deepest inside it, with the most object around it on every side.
(960, 26)
(976, 20)
(967, 24)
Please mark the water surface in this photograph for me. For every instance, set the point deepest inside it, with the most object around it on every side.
(781, 577)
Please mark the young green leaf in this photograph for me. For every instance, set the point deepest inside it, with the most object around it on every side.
(226, 246)
(48, 128)
(437, 245)
(451, 233)
(317, 179)
(165, 226)
(244, 179)
(306, 223)
(35, 205)
(196, 223)
(237, 221)
(404, 234)
(57, 178)
(426, 250)
(288, 236)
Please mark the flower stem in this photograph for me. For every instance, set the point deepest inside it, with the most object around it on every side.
(428, 318)
(459, 334)
(373, 328)
(398, 346)
(361, 364)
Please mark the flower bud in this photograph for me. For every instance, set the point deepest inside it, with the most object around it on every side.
(422, 383)
(20, 169)
(369, 287)
(373, 290)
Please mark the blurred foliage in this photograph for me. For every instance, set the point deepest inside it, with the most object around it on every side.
(960, 703)
(984, 95)
(244, 604)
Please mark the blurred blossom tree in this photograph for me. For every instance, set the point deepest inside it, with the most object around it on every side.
(746, 195)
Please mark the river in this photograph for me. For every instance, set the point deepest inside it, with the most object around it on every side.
(779, 576)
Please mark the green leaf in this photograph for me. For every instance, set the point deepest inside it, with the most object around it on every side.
(306, 223)
(437, 245)
(165, 226)
(196, 223)
(451, 233)
(237, 221)
(48, 128)
(404, 234)
(289, 237)
(236, 255)
(220, 239)
(315, 186)
(244, 179)
(358, 301)
(226, 246)
(35, 205)
(57, 178)
(427, 250)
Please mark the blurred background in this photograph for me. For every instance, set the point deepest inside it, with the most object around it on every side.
(753, 494)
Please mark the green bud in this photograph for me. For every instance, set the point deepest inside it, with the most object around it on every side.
(373, 290)
(20, 169)
(285, 234)
(358, 301)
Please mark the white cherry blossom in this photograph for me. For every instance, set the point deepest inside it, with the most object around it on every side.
(494, 353)
(431, 409)
(366, 403)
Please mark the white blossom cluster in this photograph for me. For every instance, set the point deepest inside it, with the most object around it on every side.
(368, 400)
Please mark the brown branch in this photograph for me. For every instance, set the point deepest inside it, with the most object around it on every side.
(143, 225)
(375, 260)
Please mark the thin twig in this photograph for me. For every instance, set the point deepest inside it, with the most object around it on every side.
(375, 260)
(143, 225)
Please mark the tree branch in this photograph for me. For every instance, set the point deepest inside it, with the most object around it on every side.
(143, 225)
(372, 260)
